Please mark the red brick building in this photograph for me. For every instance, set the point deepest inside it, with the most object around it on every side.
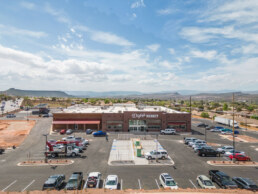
(122, 118)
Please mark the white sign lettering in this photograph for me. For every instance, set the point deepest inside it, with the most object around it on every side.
(143, 115)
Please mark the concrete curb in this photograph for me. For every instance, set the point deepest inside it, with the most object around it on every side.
(238, 165)
(45, 164)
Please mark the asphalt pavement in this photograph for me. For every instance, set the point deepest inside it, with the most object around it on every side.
(187, 164)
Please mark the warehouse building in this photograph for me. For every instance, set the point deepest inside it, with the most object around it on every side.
(121, 118)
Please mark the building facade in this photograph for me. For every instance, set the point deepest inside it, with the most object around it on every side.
(122, 119)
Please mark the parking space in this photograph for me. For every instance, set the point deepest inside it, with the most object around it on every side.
(188, 165)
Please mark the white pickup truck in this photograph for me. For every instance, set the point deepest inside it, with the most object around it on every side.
(168, 132)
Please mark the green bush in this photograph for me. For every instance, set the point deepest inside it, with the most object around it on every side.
(254, 117)
(205, 115)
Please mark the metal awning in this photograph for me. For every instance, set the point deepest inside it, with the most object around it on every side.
(77, 122)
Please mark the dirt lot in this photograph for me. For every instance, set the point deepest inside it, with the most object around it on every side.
(14, 132)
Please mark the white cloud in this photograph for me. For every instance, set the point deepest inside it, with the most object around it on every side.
(10, 30)
(153, 47)
(134, 15)
(209, 55)
(104, 37)
(166, 11)
(60, 15)
(201, 35)
(246, 49)
(28, 5)
(171, 51)
(137, 4)
(109, 38)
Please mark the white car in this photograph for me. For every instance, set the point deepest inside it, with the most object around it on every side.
(199, 145)
(167, 181)
(111, 182)
(215, 130)
(156, 154)
(191, 143)
(204, 182)
(199, 142)
(224, 149)
(168, 132)
(69, 138)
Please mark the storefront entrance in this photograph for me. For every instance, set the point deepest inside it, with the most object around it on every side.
(137, 126)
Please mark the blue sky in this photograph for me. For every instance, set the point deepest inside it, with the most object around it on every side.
(129, 45)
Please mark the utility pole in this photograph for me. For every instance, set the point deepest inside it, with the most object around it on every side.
(233, 129)
(191, 105)
(46, 147)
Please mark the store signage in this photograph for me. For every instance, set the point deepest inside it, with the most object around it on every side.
(143, 115)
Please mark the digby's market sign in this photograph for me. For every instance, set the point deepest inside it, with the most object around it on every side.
(144, 116)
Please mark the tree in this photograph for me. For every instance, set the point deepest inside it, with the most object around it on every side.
(182, 102)
(107, 101)
(53, 98)
(85, 100)
(225, 106)
(250, 108)
(205, 115)
(239, 109)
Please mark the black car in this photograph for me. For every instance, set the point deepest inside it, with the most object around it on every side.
(208, 152)
(202, 125)
(1, 150)
(54, 182)
(245, 183)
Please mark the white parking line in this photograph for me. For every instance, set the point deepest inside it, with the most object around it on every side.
(157, 183)
(139, 184)
(121, 186)
(9, 185)
(28, 185)
(192, 183)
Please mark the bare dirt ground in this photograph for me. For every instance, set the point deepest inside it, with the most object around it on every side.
(13, 133)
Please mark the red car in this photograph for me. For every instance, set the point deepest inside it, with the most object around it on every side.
(63, 131)
(240, 157)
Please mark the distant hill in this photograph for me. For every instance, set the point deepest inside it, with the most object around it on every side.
(91, 94)
(36, 93)
(161, 96)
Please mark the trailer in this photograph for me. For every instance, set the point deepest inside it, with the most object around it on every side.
(67, 151)
(226, 121)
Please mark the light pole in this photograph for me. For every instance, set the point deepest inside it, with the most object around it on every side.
(233, 130)
(45, 147)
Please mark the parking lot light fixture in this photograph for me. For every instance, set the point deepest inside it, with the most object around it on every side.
(45, 147)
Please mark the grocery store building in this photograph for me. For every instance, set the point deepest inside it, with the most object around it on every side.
(121, 118)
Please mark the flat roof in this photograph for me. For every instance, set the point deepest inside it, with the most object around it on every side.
(116, 108)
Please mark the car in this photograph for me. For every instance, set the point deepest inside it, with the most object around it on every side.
(200, 147)
(224, 149)
(215, 130)
(204, 182)
(189, 139)
(69, 138)
(93, 180)
(54, 182)
(2, 150)
(167, 181)
(168, 132)
(191, 143)
(232, 151)
(156, 154)
(69, 131)
(228, 131)
(245, 183)
(222, 179)
(99, 133)
(45, 115)
(10, 116)
(89, 131)
(82, 141)
(111, 182)
(198, 142)
(240, 157)
(202, 125)
(62, 131)
(75, 181)
(208, 152)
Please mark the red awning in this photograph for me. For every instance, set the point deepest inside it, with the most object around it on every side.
(176, 123)
(76, 122)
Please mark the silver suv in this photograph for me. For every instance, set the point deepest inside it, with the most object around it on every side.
(156, 154)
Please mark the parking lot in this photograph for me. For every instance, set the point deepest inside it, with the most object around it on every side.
(187, 165)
